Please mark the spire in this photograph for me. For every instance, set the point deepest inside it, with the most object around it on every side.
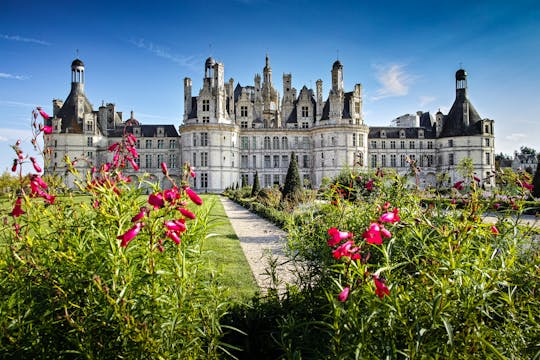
(267, 71)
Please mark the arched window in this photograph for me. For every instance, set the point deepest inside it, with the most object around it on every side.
(267, 142)
(275, 143)
(284, 143)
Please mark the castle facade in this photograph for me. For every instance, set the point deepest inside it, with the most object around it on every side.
(230, 132)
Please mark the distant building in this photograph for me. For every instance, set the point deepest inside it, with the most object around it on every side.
(525, 161)
(231, 131)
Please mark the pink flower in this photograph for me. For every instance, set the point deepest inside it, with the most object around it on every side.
(381, 288)
(134, 165)
(344, 294)
(527, 186)
(193, 195)
(385, 232)
(130, 234)
(188, 214)
(43, 113)
(113, 147)
(476, 178)
(131, 139)
(346, 249)
(17, 210)
(494, 230)
(373, 234)
(47, 129)
(496, 206)
(133, 152)
(459, 185)
(14, 166)
(369, 185)
(337, 236)
(175, 225)
(192, 171)
(386, 205)
(173, 236)
(164, 169)
(140, 215)
(390, 217)
(36, 165)
(156, 200)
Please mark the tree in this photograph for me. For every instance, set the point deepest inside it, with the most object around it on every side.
(536, 180)
(527, 150)
(293, 184)
(244, 181)
(256, 186)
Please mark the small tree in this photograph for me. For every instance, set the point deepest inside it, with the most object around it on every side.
(293, 184)
(244, 181)
(256, 186)
(536, 180)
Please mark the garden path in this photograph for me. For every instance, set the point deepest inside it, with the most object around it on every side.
(263, 243)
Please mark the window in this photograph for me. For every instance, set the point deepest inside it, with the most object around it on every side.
(148, 143)
(160, 144)
(411, 144)
(486, 141)
(322, 159)
(305, 111)
(276, 179)
(486, 128)
(244, 161)
(267, 142)
(305, 124)
(284, 160)
(245, 179)
(360, 140)
(421, 145)
(305, 161)
(383, 160)
(243, 124)
(275, 143)
(402, 133)
(172, 144)
(429, 160)
(206, 105)
(373, 160)
(267, 161)
(206, 119)
(204, 139)
(148, 161)
(296, 142)
(402, 144)
(276, 161)
(243, 111)
(194, 140)
(254, 143)
(194, 162)
(90, 141)
(402, 160)
(357, 107)
(172, 161)
(244, 142)
(392, 144)
(322, 141)
(160, 159)
(393, 160)
(284, 143)
(450, 159)
(430, 144)
(383, 144)
(254, 161)
(450, 143)
(373, 144)
(89, 126)
(353, 139)
(488, 158)
(305, 142)
(267, 180)
(204, 180)
(90, 155)
(204, 159)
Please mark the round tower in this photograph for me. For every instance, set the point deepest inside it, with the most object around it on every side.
(77, 75)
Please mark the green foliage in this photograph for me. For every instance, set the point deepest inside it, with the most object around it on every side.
(292, 188)
(269, 197)
(256, 186)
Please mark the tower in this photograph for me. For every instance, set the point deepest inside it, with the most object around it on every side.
(337, 76)
(77, 76)
(187, 97)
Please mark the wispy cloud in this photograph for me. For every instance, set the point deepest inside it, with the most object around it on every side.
(23, 39)
(13, 76)
(16, 103)
(163, 52)
(426, 100)
(394, 80)
(9, 134)
(516, 137)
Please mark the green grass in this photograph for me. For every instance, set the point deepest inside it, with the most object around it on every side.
(224, 256)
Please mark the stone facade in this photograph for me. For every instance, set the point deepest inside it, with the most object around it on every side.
(229, 132)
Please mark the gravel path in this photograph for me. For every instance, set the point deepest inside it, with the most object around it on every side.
(262, 243)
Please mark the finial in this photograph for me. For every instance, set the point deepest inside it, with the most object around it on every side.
(267, 60)
(77, 50)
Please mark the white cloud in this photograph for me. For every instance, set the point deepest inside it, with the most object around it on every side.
(23, 39)
(426, 100)
(394, 81)
(12, 76)
(16, 104)
(516, 137)
(3, 139)
(9, 134)
(162, 52)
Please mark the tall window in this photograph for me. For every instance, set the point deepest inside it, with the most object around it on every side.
(411, 144)
(267, 142)
(402, 160)
(284, 160)
(148, 143)
(392, 144)
(276, 161)
(254, 161)
(430, 160)
(450, 159)
(148, 161)
(204, 139)
(172, 161)
(373, 144)
(305, 161)
(254, 143)
(450, 143)
(243, 111)
(430, 144)
(488, 159)
(172, 144)
(160, 159)
(402, 144)
(353, 139)
(284, 143)
(206, 105)
(357, 107)
(373, 160)
(383, 160)
(275, 143)
(486, 141)
(204, 159)
(393, 160)
(194, 162)
(160, 143)
(383, 144)
(204, 180)
(244, 161)
(305, 142)
(244, 142)
(305, 111)
(267, 161)
(267, 180)
(89, 141)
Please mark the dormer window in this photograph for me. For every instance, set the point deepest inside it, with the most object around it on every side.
(383, 133)
(137, 131)
(402, 134)
(160, 131)
(421, 133)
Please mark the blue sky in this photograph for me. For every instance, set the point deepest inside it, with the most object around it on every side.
(404, 53)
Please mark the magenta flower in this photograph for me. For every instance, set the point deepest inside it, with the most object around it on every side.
(476, 178)
(494, 230)
(193, 195)
(113, 147)
(369, 185)
(175, 225)
(173, 235)
(14, 166)
(192, 171)
(164, 169)
(373, 234)
(131, 139)
(346, 249)
(390, 217)
(133, 152)
(527, 186)
(35, 164)
(188, 214)
(458, 185)
(43, 113)
(140, 215)
(385, 233)
(344, 294)
(171, 195)
(47, 129)
(337, 236)
(17, 210)
(134, 165)
(156, 200)
(496, 206)
(130, 234)
(381, 288)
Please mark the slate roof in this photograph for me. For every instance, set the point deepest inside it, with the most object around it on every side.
(146, 131)
(454, 123)
(70, 119)
(392, 132)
